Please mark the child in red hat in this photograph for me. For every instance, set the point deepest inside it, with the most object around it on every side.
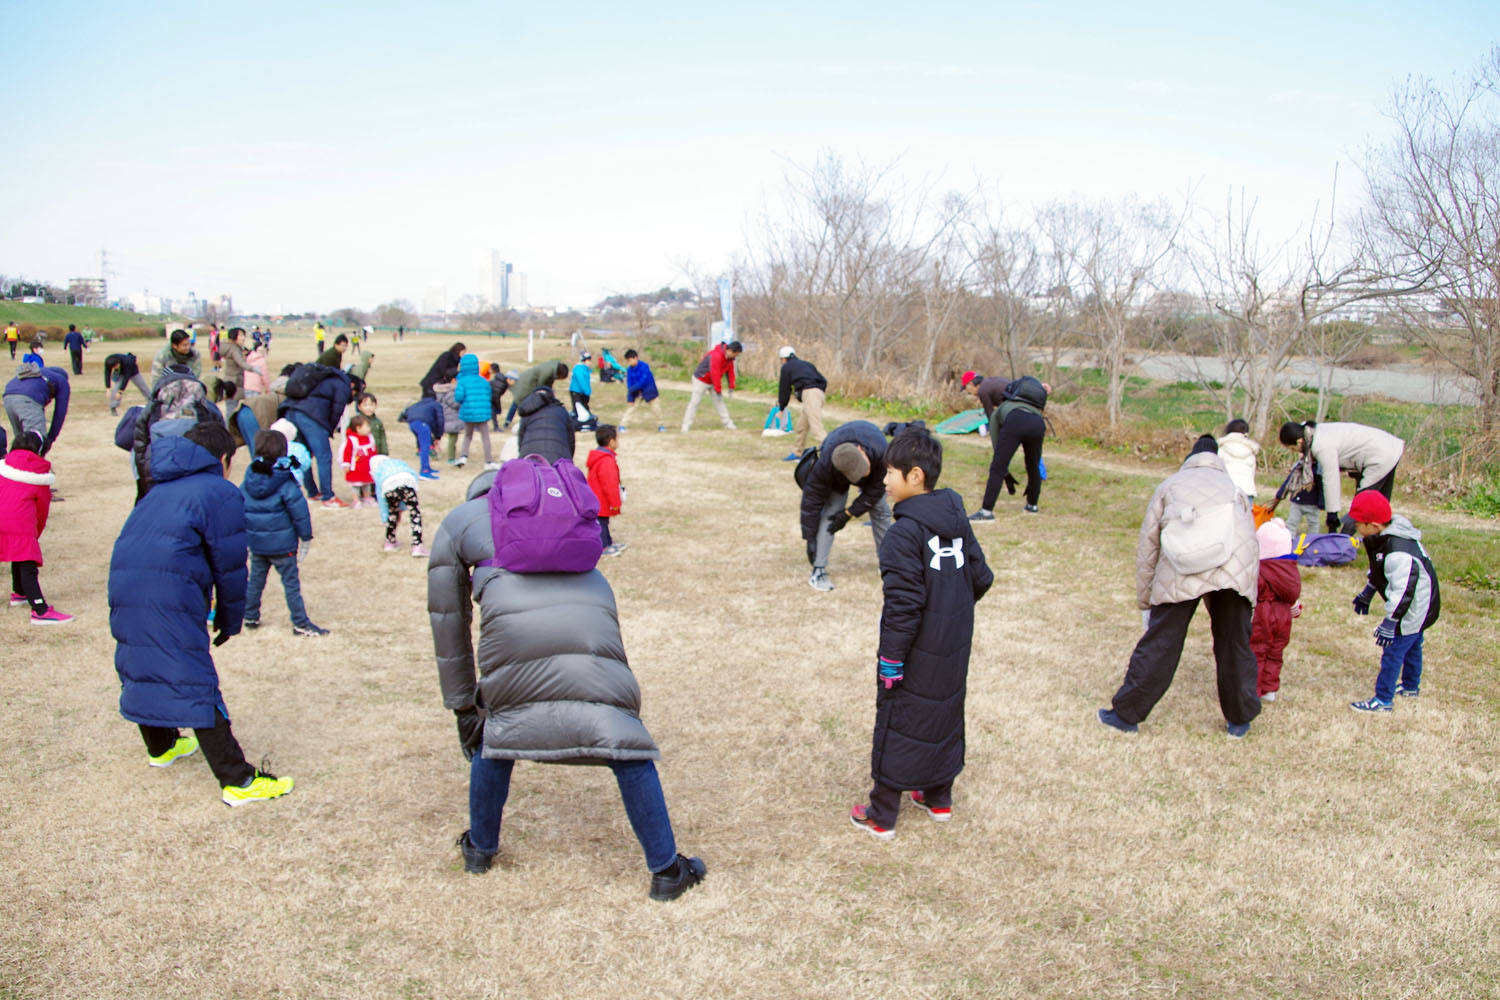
(1401, 573)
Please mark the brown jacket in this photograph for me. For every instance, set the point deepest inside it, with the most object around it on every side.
(233, 357)
(1201, 482)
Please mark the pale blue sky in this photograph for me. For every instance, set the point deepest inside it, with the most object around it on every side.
(314, 155)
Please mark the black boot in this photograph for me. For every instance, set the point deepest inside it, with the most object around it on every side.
(476, 862)
(677, 878)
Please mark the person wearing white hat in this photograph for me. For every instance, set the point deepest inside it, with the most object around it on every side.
(809, 385)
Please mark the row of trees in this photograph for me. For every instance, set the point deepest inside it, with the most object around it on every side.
(879, 275)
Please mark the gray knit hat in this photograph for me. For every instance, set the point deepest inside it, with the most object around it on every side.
(851, 462)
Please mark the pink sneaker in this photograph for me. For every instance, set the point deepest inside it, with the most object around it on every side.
(16, 600)
(860, 817)
(419, 552)
(391, 546)
(334, 503)
(51, 616)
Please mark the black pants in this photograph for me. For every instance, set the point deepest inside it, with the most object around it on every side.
(604, 532)
(77, 353)
(578, 397)
(220, 749)
(1156, 655)
(885, 802)
(12, 350)
(1386, 484)
(1023, 430)
(26, 581)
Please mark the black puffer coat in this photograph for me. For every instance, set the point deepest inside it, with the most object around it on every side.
(546, 427)
(823, 480)
(932, 571)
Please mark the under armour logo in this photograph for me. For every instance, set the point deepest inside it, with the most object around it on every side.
(938, 551)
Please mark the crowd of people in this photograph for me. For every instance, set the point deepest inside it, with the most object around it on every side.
(549, 680)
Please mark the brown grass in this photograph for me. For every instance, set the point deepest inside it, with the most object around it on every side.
(1328, 855)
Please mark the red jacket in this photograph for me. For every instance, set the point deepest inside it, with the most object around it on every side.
(25, 498)
(604, 480)
(358, 450)
(713, 367)
(1277, 589)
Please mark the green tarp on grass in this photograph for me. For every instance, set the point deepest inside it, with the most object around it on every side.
(967, 422)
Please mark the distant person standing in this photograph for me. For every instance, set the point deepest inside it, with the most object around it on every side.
(580, 385)
(12, 337)
(714, 369)
(809, 385)
(75, 344)
(318, 334)
(232, 352)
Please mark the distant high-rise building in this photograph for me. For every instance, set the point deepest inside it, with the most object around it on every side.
(518, 297)
(494, 279)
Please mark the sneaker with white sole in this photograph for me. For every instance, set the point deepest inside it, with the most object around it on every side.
(391, 546)
(309, 629)
(982, 516)
(336, 503)
(419, 552)
(1268, 696)
(260, 788)
(939, 814)
(185, 746)
(1370, 705)
(860, 817)
(819, 580)
(1407, 692)
(491, 466)
(252, 623)
(51, 616)
(16, 600)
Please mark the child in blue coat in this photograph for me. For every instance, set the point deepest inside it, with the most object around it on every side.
(580, 386)
(280, 531)
(471, 391)
(425, 418)
(182, 552)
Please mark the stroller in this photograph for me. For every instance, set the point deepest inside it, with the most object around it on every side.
(610, 370)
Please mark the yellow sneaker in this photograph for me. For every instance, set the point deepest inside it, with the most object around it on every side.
(185, 746)
(261, 787)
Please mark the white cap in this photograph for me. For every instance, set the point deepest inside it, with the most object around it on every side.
(786, 352)
(285, 428)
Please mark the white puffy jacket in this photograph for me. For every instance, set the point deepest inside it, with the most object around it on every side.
(1202, 482)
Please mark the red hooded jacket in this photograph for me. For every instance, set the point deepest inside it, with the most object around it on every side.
(604, 480)
(25, 498)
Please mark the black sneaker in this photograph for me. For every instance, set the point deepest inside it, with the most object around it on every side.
(252, 623)
(476, 862)
(1030, 508)
(308, 629)
(684, 873)
(982, 515)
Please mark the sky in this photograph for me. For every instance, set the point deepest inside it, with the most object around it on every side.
(309, 156)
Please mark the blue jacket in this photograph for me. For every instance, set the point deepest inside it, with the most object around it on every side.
(275, 510)
(325, 404)
(472, 392)
(425, 411)
(74, 341)
(182, 545)
(45, 385)
(639, 382)
(578, 385)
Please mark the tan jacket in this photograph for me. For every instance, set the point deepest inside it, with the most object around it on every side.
(1202, 482)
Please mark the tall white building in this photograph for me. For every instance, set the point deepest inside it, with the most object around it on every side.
(495, 280)
(518, 297)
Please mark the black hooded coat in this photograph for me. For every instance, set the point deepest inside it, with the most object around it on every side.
(932, 572)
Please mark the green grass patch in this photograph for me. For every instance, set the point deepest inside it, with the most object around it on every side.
(46, 316)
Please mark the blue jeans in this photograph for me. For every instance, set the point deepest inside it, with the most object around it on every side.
(286, 566)
(249, 426)
(316, 439)
(1401, 658)
(424, 444)
(640, 790)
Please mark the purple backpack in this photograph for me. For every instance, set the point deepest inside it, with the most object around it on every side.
(1326, 550)
(543, 518)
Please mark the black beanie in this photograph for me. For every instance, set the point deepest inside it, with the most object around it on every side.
(1206, 443)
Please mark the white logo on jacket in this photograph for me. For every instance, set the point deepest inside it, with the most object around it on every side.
(955, 549)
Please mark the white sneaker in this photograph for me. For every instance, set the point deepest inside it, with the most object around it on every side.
(491, 466)
(819, 580)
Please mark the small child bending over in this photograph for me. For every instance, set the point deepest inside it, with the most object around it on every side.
(359, 447)
(396, 487)
(1278, 585)
(932, 572)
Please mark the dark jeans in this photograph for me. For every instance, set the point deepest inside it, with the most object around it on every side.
(26, 581)
(510, 414)
(885, 802)
(424, 444)
(220, 749)
(316, 439)
(77, 354)
(1401, 658)
(640, 790)
(249, 427)
(1024, 430)
(604, 532)
(291, 582)
(1156, 655)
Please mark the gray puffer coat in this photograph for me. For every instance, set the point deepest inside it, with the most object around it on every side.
(553, 680)
(1202, 482)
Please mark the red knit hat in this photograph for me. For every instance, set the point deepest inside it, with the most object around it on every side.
(967, 378)
(1370, 507)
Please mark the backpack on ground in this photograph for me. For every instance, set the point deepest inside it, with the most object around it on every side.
(543, 518)
(1028, 389)
(1325, 550)
(804, 466)
(1198, 539)
(305, 378)
(778, 423)
(125, 429)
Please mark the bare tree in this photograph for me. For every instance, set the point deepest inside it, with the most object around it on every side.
(1009, 280)
(1433, 223)
(397, 312)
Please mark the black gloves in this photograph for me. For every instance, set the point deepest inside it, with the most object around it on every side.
(1010, 484)
(221, 638)
(1333, 521)
(470, 730)
(837, 521)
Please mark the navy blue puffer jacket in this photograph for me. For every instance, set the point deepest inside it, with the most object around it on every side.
(428, 411)
(182, 545)
(325, 404)
(275, 510)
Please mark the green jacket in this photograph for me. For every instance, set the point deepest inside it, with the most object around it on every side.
(377, 435)
(535, 377)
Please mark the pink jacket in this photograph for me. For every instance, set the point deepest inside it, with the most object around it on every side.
(25, 498)
(255, 371)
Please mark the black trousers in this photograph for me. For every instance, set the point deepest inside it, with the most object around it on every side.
(77, 360)
(604, 532)
(1023, 430)
(220, 749)
(885, 802)
(26, 581)
(1154, 662)
(1386, 484)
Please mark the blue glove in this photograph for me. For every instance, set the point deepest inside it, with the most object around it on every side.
(891, 672)
(1362, 600)
(1385, 632)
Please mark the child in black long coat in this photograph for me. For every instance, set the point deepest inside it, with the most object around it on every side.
(932, 571)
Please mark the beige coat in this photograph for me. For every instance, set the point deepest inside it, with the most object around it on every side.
(1201, 482)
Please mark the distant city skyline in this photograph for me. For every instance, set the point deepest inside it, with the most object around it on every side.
(323, 160)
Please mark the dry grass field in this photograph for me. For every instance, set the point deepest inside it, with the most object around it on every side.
(1327, 855)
